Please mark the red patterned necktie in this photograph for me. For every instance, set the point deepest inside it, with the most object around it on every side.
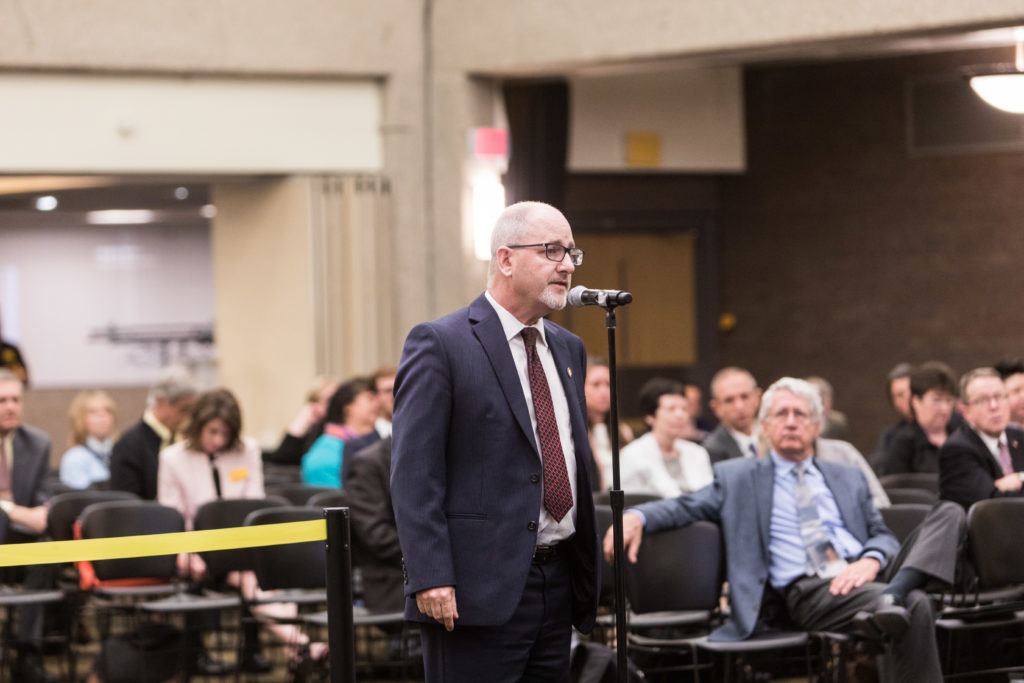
(1004, 458)
(557, 491)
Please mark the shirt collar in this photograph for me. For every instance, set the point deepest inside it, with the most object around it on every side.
(165, 434)
(511, 325)
(783, 466)
(992, 442)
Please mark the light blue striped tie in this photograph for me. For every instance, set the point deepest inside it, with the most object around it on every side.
(822, 558)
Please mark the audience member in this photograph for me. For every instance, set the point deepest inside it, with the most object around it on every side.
(802, 538)
(983, 458)
(351, 413)
(735, 398)
(489, 468)
(307, 425)
(915, 446)
(662, 462)
(1012, 372)
(835, 426)
(215, 461)
(24, 461)
(598, 391)
(698, 428)
(135, 459)
(11, 359)
(375, 547)
(86, 463)
(383, 383)
(898, 390)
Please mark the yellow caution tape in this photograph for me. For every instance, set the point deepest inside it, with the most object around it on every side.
(52, 552)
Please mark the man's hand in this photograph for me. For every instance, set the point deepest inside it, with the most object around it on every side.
(1011, 482)
(439, 604)
(34, 517)
(632, 532)
(855, 575)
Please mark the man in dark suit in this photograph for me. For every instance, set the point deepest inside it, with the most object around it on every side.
(375, 547)
(489, 478)
(24, 461)
(135, 458)
(735, 398)
(383, 380)
(803, 538)
(983, 458)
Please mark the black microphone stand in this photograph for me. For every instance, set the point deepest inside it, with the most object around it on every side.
(617, 500)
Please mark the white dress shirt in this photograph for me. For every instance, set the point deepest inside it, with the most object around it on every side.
(550, 531)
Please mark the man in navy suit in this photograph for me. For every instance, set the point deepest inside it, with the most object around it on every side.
(984, 457)
(803, 539)
(489, 477)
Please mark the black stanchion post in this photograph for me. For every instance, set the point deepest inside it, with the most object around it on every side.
(340, 631)
(617, 500)
(609, 299)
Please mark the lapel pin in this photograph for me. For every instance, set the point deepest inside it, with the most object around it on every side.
(569, 370)
(1014, 441)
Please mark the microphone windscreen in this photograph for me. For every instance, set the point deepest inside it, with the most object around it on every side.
(575, 297)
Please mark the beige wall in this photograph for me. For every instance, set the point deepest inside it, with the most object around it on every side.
(263, 274)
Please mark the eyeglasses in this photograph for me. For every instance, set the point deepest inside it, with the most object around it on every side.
(998, 399)
(798, 416)
(555, 252)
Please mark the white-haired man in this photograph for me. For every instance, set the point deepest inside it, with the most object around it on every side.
(824, 552)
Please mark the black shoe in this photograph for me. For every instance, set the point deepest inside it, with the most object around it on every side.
(29, 669)
(205, 665)
(888, 618)
(255, 662)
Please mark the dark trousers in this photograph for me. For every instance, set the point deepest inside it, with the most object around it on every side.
(932, 549)
(532, 647)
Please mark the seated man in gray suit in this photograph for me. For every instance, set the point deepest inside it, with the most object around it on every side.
(24, 460)
(804, 535)
(735, 398)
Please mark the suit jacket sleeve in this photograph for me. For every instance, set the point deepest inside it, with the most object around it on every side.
(373, 522)
(705, 504)
(964, 477)
(419, 472)
(125, 469)
(880, 539)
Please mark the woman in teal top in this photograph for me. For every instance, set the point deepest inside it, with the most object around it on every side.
(350, 414)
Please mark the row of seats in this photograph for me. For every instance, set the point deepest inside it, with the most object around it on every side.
(675, 588)
(296, 572)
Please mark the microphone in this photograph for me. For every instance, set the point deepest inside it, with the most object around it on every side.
(581, 296)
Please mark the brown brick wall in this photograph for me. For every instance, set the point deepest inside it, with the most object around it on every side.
(841, 255)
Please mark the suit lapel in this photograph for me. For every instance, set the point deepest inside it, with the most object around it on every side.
(560, 354)
(491, 335)
(1015, 440)
(995, 470)
(18, 464)
(843, 495)
(764, 489)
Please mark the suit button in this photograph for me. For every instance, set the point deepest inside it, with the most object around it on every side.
(532, 526)
(534, 478)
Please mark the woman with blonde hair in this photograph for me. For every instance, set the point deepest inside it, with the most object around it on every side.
(93, 417)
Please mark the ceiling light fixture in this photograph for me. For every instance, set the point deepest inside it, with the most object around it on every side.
(120, 217)
(1001, 85)
(46, 203)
